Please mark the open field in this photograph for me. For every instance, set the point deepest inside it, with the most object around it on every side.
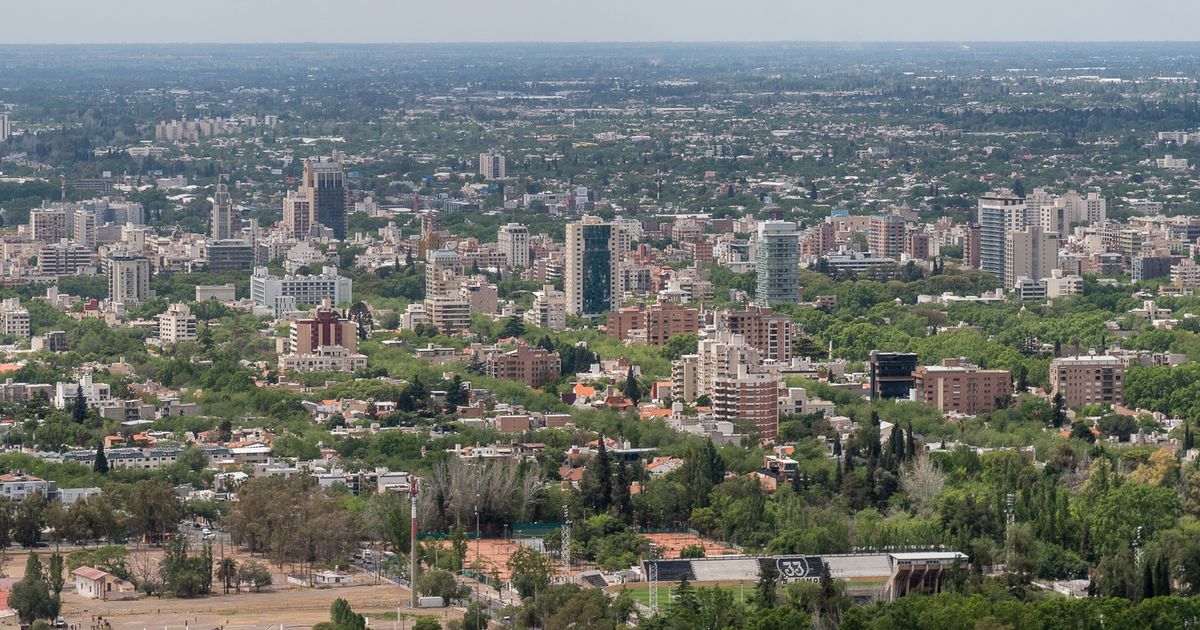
(278, 606)
(641, 591)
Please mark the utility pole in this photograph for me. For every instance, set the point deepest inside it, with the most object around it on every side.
(1008, 542)
(565, 544)
(412, 551)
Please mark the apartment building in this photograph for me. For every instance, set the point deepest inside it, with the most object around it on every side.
(325, 328)
(177, 324)
(654, 324)
(957, 386)
(766, 331)
(530, 365)
(777, 257)
(1088, 379)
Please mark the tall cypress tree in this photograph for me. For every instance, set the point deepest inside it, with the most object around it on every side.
(79, 410)
(632, 390)
(100, 464)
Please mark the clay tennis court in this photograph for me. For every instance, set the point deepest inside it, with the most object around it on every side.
(494, 553)
(671, 543)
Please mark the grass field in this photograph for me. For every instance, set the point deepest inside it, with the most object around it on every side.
(641, 592)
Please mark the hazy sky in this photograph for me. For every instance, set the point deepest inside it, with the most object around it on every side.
(71, 21)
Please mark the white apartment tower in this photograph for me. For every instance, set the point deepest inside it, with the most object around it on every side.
(1029, 253)
(128, 279)
(513, 240)
(491, 165)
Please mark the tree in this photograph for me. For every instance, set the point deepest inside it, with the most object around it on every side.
(476, 617)
(31, 597)
(55, 577)
(343, 617)
(185, 574)
(360, 314)
(79, 408)
(514, 326)
(227, 572)
(255, 573)
(530, 571)
(1018, 188)
(29, 519)
(596, 485)
(438, 583)
(1060, 410)
(765, 593)
(100, 464)
(632, 390)
(456, 394)
(622, 499)
(426, 622)
(155, 508)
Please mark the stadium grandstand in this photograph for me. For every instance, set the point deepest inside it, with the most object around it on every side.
(868, 576)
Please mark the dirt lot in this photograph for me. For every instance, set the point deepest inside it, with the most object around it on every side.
(280, 605)
(292, 608)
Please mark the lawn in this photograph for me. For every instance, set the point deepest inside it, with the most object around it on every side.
(641, 592)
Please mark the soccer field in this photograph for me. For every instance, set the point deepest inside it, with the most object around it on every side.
(641, 592)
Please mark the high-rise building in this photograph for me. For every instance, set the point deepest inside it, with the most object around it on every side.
(766, 331)
(777, 257)
(296, 214)
(549, 309)
(48, 225)
(892, 374)
(1029, 253)
(448, 313)
(84, 228)
(222, 211)
(999, 213)
(325, 328)
(64, 259)
(885, 236)
(14, 318)
(727, 370)
(491, 165)
(513, 241)
(594, 251)
(5, 127)
(177, 324)
(1086, 380)
(970, 246)
(325, 187)
(748, 396)
(916, 244)
(442, 270)
(128, 279)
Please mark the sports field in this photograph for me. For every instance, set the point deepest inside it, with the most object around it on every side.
(641, 592)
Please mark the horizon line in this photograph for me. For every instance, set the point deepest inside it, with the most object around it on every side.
(601, 42)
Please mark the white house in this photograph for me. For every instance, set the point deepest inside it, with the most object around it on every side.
(96, 584)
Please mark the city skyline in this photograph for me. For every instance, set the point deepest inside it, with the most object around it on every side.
(362, 21)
